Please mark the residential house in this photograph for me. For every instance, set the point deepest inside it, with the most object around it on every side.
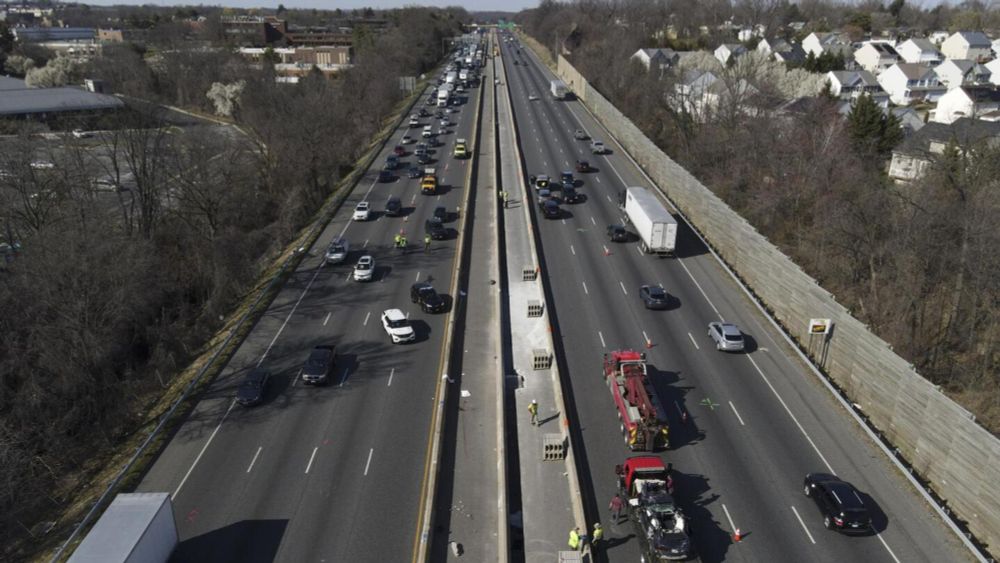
(876, 56)
(996, 48)
(912, 158)
(976, 102)
(909, 120)
(972, 45)
(729, 52)
(957, 72)
(768, 46)
(818, 43)
(919, 51)
(748, 33)
(656, 59)
(907, 83)
(850, 84)
(691, 89)
(994, 69)
(795, 55)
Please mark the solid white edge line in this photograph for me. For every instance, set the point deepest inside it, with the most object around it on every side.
(737, 413)
(703, 294)
(369, 462)
(789, 411)
(732, 525)
(803, 525)
(254, 460)
(891, 554)
(693, 341)
(311, 458)
(202, 452)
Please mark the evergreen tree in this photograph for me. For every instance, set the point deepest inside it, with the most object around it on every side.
(873, 132)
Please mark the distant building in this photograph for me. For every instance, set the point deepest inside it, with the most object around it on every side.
(907, 83)
(729, 52)
(914, 156)
(919, 51)
(818, 43)
(54, 34)
(876, 57)
(975, 102)
(19, 101)
(994, 68)
(972, 45)
(253, 30)
(848, 85)
(656, 59)
(958, 72)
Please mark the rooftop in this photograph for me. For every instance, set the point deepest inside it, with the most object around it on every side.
(19, 99)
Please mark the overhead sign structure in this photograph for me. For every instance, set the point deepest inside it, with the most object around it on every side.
(820, 326)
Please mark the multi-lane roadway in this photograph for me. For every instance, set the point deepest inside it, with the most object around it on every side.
(332, 473)
(757, 422)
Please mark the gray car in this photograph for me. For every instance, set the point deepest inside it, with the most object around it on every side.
(727, 337)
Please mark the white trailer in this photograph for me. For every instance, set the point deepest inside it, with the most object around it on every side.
(656, 227)
(558, 89)
(450, 77)
(135, 528)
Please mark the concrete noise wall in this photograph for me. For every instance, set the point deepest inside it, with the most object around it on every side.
(941, 440)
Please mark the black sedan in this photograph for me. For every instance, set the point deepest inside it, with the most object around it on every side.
(251, 390)
(654, 297)
(617, 233)
(427, 297)
(839, 503)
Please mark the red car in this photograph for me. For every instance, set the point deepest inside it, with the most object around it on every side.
(399, 150)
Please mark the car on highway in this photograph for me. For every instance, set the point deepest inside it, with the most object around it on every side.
(435, 229)
(550, 209)
(423, 112)
(399, 150)
(727, 336)
(597, 147)
(414, 172)
(391, 162)
(532, 97)
(393, 207)
(540, 182)
(397, 326)
(839, 503)
(427, 297)
(441, 213)
(407, 139)
(618, 233)
(252, 388)
(566, 177)
(414, 120)
(444, 122)
(427, 132)
(362, 211)
(461, 150)
(439, 114)
(385, 176)
(364, 270)
(654, 297)
(319, 364)
(337, 251)
(81, 134)
(580, 135)
(582, 166)
(570, 195)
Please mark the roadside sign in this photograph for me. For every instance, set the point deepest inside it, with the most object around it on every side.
(820, 326)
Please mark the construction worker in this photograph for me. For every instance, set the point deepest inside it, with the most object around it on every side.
(427, 243)
(533, 409)
(616, 506)
(574, 539)
(597, 535)
(396, 239)
(402, 241)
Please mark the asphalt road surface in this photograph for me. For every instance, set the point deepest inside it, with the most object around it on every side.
(328, 473)
(757, 422)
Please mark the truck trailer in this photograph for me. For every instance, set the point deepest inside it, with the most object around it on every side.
(442, 97)
(559, 89)
(657, 228)
(135, 528)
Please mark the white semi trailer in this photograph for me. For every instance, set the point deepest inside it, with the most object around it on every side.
(135, 528)
(656, 227)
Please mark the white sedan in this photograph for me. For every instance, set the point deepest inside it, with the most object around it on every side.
(532, 97)
(397, 326)
(365, 269)
(362, 211)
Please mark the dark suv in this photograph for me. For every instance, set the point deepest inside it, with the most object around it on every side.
(435, 229)
(428, 298)
(251, 390)
(839, 503)
(319, 365)
(393, 207)
(617, 233)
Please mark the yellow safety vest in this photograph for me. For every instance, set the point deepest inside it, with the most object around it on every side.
(574, 539)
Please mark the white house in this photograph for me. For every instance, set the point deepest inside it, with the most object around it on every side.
(876, 57)
(994, 68)
(912, 158)
(729, 51)
(972, 45)
(819, 42)
(656, 59)
(919, 51)
(996, 48)
(977, 102)
(849, 84)
(907, 83)
(957, 72)
(773, 45)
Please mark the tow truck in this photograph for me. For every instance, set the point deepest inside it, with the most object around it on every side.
(661, 527)
(428, 185)
(643, 422)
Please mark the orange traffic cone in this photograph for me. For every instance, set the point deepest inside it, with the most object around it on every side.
(649, 343)
(737, 536)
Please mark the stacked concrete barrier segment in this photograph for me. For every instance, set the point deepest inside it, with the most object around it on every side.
(925, 430)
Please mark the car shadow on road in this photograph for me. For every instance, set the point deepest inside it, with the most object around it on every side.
(250, 541)
(421, 329)
(694, 495)
(683, 429)
(880, 521)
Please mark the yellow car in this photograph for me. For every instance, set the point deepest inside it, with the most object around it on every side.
(428, 185)
(460, 150)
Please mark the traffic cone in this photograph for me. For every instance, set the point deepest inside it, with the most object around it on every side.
(737, 536)
(606, 251)
(649, 343)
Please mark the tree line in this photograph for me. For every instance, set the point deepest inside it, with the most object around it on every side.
(124, 255)
(916, 262)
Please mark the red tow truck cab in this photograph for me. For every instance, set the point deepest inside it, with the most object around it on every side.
(639, 470)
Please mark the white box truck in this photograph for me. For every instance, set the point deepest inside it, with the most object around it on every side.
(656, 227)
(450, 77)
(442, 97)
(135, 528)
(558, 89)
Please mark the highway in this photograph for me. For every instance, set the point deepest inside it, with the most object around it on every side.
(757, 422)
(330, 473)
